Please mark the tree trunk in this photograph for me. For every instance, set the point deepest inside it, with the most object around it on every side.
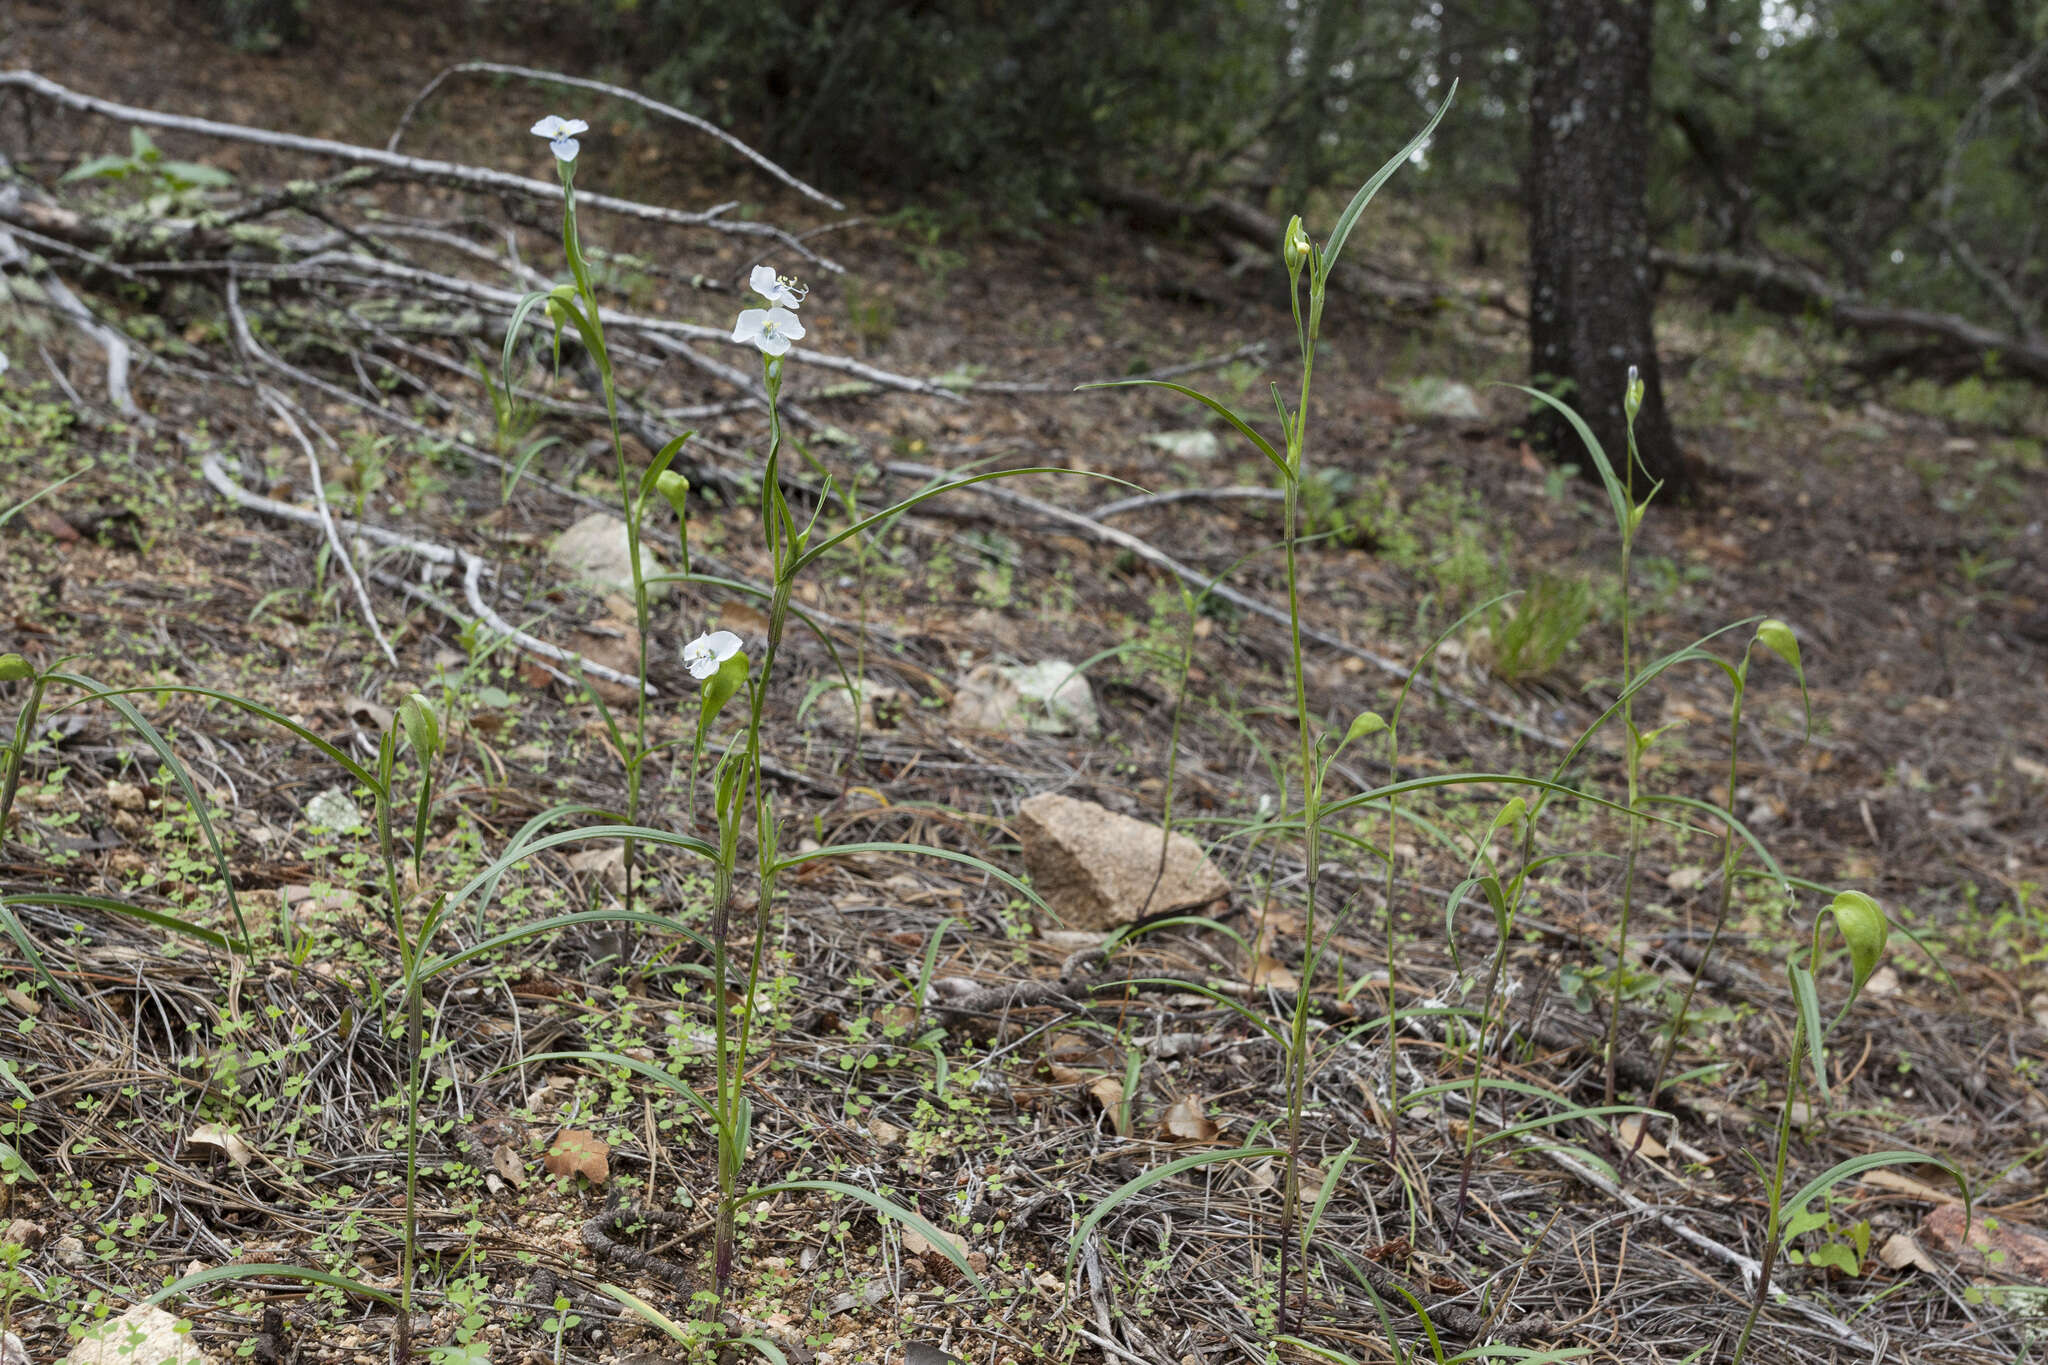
(1590, 295)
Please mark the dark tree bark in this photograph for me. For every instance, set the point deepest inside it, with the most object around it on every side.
(1590, 295)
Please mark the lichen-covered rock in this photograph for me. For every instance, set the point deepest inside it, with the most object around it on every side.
(144, 1335)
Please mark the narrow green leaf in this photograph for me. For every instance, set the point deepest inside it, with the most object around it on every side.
(940, 1242)
(811, 556)
(214, 1274)
(1870, 1161)
(1808, 1002)
(1348, 219)
(1216, 406)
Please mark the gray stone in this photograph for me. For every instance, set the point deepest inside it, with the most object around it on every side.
(1433, 396)
(594, 551)
(1187, 445)
(1097, 869)
(1051, 698)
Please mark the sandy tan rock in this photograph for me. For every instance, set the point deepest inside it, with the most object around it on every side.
(1999, 1246)
(1096, 867)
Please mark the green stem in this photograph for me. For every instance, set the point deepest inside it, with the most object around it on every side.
(1720, 912)
(1774, 1230)
(1635, 758)
(17, 752)
(1297, 1042)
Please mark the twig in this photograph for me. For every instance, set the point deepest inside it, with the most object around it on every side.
(1746, 1266)
(478, 178)
(638, 322)
(652, 106)
(119, 352)
(341, 554)
(1160, 559)
(473, 569)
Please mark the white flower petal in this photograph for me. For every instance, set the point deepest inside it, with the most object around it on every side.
(786, 323)
(571, 127)
(565, 148)
(704, 654)
(549, 127)
(3, 362)
(764, 282)
(751, 325)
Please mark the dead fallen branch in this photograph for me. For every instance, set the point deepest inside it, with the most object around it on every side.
(449, 173)
(617, 92)
(473, 570)
(1796, 290)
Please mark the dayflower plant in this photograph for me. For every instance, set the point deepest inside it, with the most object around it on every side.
(780, 290)
(703, 655)
(561, 135)
(774, 327)
(770, 329)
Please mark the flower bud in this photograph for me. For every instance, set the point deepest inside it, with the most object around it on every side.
(1632, 399)
(676, 489)
(1294, 246)
(14, 668)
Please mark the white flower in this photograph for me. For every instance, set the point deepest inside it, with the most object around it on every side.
(561, 135)
(780, 290)
(771, 329)
(704, 654)
(3, 362)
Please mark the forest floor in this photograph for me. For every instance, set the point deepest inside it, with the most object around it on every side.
(181, 1108)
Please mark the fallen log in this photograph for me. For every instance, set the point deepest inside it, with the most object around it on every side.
(1795, 289)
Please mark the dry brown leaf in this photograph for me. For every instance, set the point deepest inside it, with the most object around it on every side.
(1184, 1121)
(1268, 971)
(917, 1244)
(229, 1145)
(1109, 1093)
(1900, 1251)
(1631, 1128)
(2028, 768)
(505, 1160)
(579, 1151)
(1898, 1182)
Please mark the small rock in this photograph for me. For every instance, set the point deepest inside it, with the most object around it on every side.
(144, 1335)
(1051, 698)
(70, 1252)
(594, 551)
(1096, 868)
(1433, 396)
(1997, 1246)
(22, 1233)
(334, 809)
(1187, 445)
(125, 796)
(12, 1351)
